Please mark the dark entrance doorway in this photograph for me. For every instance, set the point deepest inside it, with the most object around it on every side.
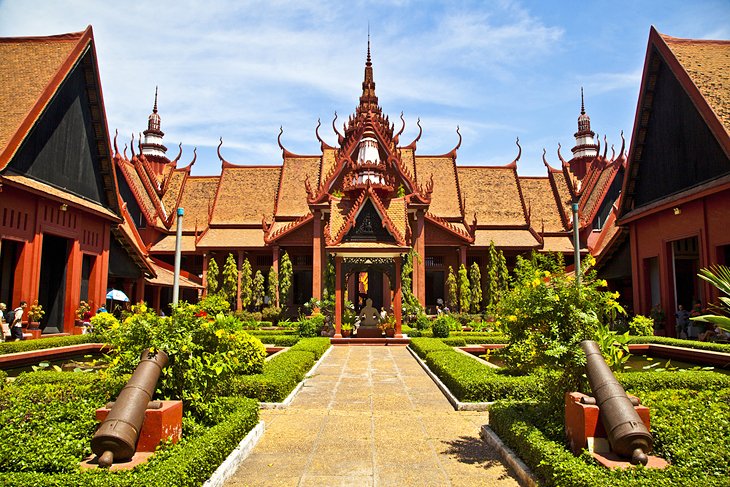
(52, 292)
(686, 266)
(375, 288)
(9, 253)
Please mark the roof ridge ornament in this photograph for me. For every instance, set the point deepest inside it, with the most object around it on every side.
(519, 153)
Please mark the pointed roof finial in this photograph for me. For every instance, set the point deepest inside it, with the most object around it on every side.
(368, 62)
(154, 109)
(582, 105)
(368, 100)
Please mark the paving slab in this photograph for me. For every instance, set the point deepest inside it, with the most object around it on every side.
(371, 416)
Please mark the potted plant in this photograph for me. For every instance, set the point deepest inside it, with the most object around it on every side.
(388, 326)
(35, 315)
(81, 311)
(346, 330)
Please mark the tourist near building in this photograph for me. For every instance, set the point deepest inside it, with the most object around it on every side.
(675, 208)
(363, 204)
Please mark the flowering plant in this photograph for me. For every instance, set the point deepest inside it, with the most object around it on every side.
(35, 312)
(83, 308)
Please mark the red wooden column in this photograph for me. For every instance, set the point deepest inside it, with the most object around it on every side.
(419, 262)
(462, 257)
(338, 297)
(157, 291)
(139, 290)
(317, 256)
(206, 257)
(397, 299)
(73, 287)
(238, 288)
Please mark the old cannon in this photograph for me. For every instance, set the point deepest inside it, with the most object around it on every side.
(116, 438)
(627, 434)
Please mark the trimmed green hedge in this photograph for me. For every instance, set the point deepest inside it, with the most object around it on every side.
(676, 342)
(698, 455)
(683, 379)
(467, 378)
(279, 340)
(257, 333)
(282, 373)
(53, 342)
(187, 464)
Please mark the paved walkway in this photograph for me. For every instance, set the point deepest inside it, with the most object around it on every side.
(371, 416)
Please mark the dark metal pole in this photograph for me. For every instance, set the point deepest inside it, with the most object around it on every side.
(178, 244)
(576, 243)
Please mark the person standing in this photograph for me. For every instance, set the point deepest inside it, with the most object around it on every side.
(3, 324)
(682, 316)
(16, 327)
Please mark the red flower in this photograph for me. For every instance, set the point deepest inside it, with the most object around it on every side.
(201, 314)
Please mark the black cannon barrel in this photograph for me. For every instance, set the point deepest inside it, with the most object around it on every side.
(117, 436)
(627, 433)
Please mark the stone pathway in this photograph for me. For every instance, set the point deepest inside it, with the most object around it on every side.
(371, 417)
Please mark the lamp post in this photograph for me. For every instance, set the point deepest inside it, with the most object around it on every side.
(178, 245)
(576, 243)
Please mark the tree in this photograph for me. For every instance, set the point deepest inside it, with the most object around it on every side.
(502, 274)
(464, 290)
(229, 287)
(410, 305)
(285, 278)
(451, 295)
(329, 277)
(475, 281)
(492, 287)
(246, 282)
(212, 277)
(257, 290)
(274, 286)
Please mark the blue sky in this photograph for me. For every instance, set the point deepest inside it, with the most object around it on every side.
(497, 69)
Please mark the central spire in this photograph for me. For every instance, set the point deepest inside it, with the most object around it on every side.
(368, 100)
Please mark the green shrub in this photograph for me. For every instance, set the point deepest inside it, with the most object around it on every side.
(454, 341)
(471, 380)
(280, 376)
(271, 313)
(53, 342)
(441, 327)
(676, 342)
(317, 346)
(424, 346)
(638, 382)
(641, 326)
(312, 326)
(423, 322)
(214, 304)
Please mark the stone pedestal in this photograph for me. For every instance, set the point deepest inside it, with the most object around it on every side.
(159, 425)
(368, 332)
(584, 429)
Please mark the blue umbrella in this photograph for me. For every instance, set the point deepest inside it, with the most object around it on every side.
(117, 295)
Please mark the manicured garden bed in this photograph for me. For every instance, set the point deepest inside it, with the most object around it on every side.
(53, 342)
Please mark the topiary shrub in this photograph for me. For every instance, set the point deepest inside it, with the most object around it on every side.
(641, 326)
(311, 327)
(441, 327)
(423, 322)
(271, 313)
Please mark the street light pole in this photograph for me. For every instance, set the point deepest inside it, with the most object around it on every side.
(576, 243)
(178, 245)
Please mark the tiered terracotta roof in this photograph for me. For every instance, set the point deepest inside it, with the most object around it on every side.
(292, 194)
(480, 186)
(445, 201)
(245, 194)
(542, 203)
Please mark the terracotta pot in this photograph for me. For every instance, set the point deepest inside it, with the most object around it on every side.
(346, 333)
(34, 325)
(390, 332)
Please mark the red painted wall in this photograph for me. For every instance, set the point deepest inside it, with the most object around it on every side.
(706, 218)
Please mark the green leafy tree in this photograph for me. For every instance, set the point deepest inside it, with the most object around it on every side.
(230, 280)
(257, 290)
(451, 290)
(212, 276)
(329, 277)
(246, 284)
(475, 281)
(410, 305)
(464, 290)
(503, 274)
(286, 272)
(274, 286)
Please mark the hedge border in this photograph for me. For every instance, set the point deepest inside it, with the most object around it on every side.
(678, 342)
(42, 343)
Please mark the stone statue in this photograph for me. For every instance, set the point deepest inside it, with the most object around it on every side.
(369, 315)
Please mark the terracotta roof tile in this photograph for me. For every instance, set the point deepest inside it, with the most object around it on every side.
(169, 199)
(396, 210)
(328, 162)
(137, 186)
(557, 244)
(198, 196)
(445, 196)
(541, 203)
(562, 185)
(506, 238)
(165, 277)
(28, 66)
(708, 65)
(339, 208)
(232, 237)
(246, 194)
(292, 198)
(590, 202)
(167, 244)
(409, 161)
(493, 194)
